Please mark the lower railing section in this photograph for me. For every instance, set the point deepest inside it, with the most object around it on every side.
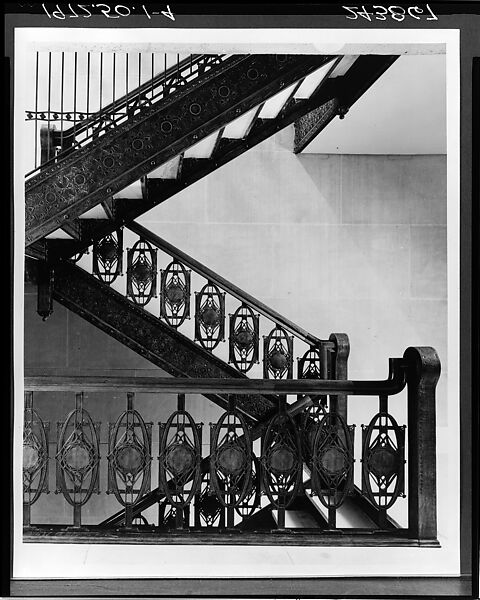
(287, 480)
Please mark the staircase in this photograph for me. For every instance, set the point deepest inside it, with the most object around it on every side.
(83, 201)
(136, 153)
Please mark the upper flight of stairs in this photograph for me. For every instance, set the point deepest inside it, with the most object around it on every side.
(63, 218)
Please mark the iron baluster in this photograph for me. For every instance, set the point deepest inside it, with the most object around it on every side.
(129, 458)
(78, 458)
(35, 457)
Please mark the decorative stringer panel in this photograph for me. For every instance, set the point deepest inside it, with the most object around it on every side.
(180, 457)
(129, 458)
(281, 462)
(108, 257)
(383, 459)
(175, 294)
(209, 316)
(278, 354)
(78, 458)
(332, 462)
(35, 457)
(142, 272)
(244, 338)
(230, 460)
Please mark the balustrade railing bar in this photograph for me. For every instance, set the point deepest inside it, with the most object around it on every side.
(393, 385)
(227, 286)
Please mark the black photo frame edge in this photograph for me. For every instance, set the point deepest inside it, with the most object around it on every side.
(464, 16)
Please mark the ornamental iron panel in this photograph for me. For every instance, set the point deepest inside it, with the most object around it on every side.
(313, 365)
(383, 458)
(230, 458)
(175, 294)
(209, 511)
(35, 453)
(244, 338)
(278, 354)
(251, 500)
(309, 422)
(281, 460)
(78, 457)
(180, 456)
(141, 272)
(129, 456)
(172, 517)
(332, 461)
(209, 316)
(108, 257)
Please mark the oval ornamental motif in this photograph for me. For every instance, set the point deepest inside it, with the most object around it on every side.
(141, 272)
(175, 294)
(78, 456)
(230, 458)
(244, 338)
(383, 460)
(278, 354)
(180, 458)
(209, 316)
(35, 453)
(332, 461)
(108, 257)
(281, 461)
(129, 456)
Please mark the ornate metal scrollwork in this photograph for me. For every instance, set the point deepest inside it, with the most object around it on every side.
(78, 455)
(251, 500)
(244, 338)
(108, 257)
(142, 272)
(180, 457)
(309, 422)
(129, 456)
(332, 461)
(230, 458)
(175, 294)
(140, 102)
(35, 453)
(209, 316)
(281, 460)
(383, 460)
(168, 515)
(209, 511)
(278, 354)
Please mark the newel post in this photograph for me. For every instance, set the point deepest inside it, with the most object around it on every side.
(340, 368)
(423, 371)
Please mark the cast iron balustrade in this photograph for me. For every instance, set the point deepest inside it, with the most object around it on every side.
(245, 493)
(78, 124)
(236, 339)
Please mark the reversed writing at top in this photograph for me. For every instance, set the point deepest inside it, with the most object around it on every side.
(397, 13)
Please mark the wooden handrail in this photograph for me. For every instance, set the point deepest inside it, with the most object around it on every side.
(186, 385)
(227, 286)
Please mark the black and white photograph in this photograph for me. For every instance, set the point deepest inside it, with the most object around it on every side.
(237, 304)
